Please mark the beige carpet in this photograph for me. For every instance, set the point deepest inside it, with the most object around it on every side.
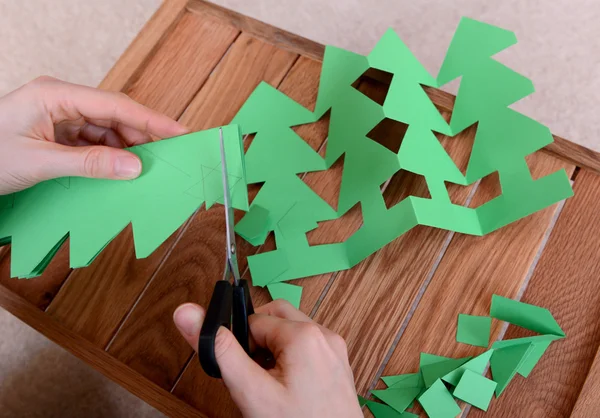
(80, 40)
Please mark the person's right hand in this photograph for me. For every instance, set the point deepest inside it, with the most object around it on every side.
(312, 375)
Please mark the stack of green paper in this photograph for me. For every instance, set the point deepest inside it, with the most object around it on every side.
(179, 175)
(441, 380)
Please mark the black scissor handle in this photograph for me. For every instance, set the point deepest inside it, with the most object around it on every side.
(218, 315)
(242, 309)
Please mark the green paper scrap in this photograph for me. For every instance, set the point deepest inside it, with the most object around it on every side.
(362, 401)
(277, 157)
(505, 362)
(477, 365)
(438, 402)
(404, 380)
(475, 389)
(398, 398)
(435, 371)
(524, 315)
(380, 410)
(540, 344)
(179, 175)
(474, 330)
(285, 291)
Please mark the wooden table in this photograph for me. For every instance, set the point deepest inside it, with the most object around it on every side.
(198, 63)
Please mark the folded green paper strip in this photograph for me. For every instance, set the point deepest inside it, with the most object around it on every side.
(287, 207)
(179, 175)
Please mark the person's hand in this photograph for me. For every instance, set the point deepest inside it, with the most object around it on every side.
(50, 129)
(312, 375)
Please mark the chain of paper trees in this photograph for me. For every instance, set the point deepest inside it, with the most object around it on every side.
(181, 174)
(288, 207)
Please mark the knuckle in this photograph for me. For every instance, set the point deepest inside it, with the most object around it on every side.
(93, 162)
(309, 332)
(223, 342)
(43, 80)
(281, 305)
(338, 343)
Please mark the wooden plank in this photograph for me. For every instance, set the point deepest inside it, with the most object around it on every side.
(206, 394)
(183, 63)
(144, 44)
(38, 291)
(379, 292)
(471, 270)
(148, 340)
(95, 357)
(93, 301)
(280, 38)
(566, 282)
(588, 402)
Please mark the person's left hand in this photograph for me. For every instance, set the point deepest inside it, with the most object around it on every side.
(50, 129)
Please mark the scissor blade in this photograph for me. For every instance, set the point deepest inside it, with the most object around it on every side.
(229, 219)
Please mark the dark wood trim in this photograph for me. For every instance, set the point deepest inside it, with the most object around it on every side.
(564, 149)
(278, 37)
(96, 357)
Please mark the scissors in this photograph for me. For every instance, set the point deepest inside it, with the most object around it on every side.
(230, 304)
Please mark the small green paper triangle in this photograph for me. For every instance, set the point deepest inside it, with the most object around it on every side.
(476, 365)
(505, 362)
(399, 399)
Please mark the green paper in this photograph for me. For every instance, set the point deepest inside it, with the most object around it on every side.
(403, 380)
(285, 291)
(399, 399)
(476, 365)
(474, 330)
(524, 315)
(475, 389)
(362, 401)
(438, 402)
(540, 344)
(380, 410)
(435, 371)
(277, 155)
(505, 362)
(179, 174)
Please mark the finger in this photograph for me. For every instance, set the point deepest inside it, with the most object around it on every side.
(82, 133)
(283, 309)
(100, 136)
(54, 160)
(68, 101)
(188, 319)
(131, 136)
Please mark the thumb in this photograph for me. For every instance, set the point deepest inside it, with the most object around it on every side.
(55, 160)
(240, 373)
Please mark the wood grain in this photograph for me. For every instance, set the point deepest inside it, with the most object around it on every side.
(183, 63)
(249, 62)
(95, 357)
(144, 44)
(148, 340)
(471, 270)
(38, 291)
(379, 292)
(280, 38)
(94, 301)
(566, 282)
(206, 394)
(588, 402)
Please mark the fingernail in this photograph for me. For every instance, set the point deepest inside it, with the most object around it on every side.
(128, 167)
(188, 318)
(183, 129)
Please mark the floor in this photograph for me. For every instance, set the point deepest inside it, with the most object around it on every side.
(79, 41)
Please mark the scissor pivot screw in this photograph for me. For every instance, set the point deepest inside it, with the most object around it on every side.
(232, 249)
